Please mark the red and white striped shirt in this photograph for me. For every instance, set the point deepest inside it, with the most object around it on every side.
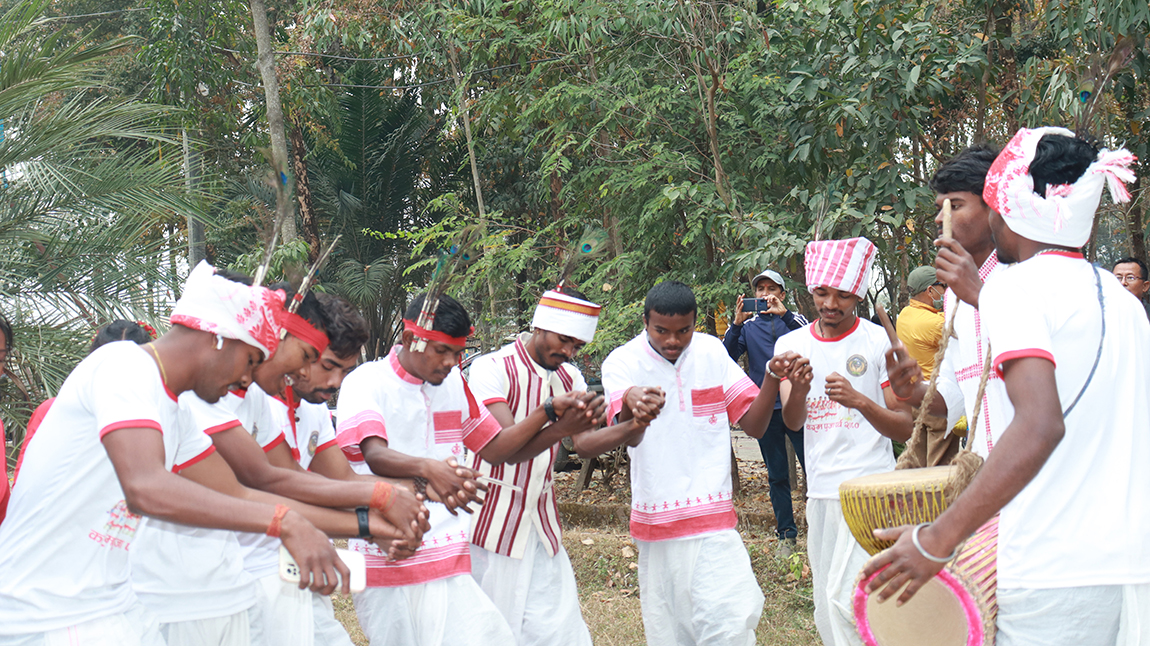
(381, 399)
(507, 517)
(681, 471)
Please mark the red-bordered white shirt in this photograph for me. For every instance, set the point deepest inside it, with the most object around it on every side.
(502, 525)
(184, 573)
(381, 399)
(681, 471)
(65, 541)
(961, 371)
(839, 442)
(1082, 520)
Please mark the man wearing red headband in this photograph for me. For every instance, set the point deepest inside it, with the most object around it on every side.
(411, 414)
(1068, 476)
(98, 462)
(195, 580)
(516, 553)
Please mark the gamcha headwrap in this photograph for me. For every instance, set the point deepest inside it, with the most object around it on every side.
(1065, 215)
(562, 314)
(231, 310)
(840, 264)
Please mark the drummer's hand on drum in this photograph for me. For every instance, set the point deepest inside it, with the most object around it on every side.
(839, 389)
(904, 564)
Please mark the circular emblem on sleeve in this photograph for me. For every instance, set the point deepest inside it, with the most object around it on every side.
(312, 443)
(856, 365)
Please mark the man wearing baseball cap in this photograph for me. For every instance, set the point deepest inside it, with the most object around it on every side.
(919, 324)
(755, 333)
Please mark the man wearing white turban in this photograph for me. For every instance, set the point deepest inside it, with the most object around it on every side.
(516, 553)
(1068, 475)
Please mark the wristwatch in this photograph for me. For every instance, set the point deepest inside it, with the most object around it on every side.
(364, 527)
(549, 408)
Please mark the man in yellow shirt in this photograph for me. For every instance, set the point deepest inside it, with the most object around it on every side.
(919, 324)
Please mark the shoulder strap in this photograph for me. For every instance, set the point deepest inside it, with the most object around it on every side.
(1101, 338)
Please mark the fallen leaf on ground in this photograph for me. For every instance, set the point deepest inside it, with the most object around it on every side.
(588, 541)
(628, 552)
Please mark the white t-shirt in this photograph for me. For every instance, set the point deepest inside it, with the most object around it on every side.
(312, 432)
(681, 471)
(381, 399)
(838, 442)
(266, 418)
(1085, 518)
(184, 573)
(65, 540)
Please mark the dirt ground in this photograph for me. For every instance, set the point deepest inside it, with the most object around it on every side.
(606, 563)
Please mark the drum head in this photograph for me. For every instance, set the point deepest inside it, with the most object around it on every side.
(938, 614)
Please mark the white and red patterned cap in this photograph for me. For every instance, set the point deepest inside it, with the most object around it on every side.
(1066, 214)
(840, 264)
(562, 314)
(231, 310)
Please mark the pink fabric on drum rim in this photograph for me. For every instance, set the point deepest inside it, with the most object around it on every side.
(974, 635)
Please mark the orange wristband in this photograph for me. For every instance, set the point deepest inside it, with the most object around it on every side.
(382, 497)
(277, 521)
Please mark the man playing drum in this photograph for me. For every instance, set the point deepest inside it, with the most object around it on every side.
(1068, 473)
(836, 384)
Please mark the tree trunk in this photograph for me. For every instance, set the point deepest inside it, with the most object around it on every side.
(303, 194)
(267, 65)
(197, 246)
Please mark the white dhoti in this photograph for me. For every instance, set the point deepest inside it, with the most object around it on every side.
(284, 615)
(1134, 626)
(136, 626)
(447, 612)
(1080, 616)
(537, 594)
(699, 590)
(232, 630)
(836, 559)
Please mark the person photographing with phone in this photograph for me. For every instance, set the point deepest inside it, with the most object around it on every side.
(758, 324)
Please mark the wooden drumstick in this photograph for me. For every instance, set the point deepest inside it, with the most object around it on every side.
(947, 226)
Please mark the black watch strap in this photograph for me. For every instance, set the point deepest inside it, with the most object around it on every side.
(364, 526)
(549, 408)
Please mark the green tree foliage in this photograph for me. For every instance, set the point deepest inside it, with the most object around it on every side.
(82, 197)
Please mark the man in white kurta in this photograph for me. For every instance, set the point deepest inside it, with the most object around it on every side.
(516, 554)
(421, 426)
(843, 401)
(1068, 473)
(695, 577)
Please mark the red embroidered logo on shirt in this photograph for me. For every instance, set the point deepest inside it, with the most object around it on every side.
(708, 402)
(448, 426)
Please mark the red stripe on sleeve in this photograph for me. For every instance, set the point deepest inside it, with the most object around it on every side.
(180, 467)
(131, 423)
(1035, 353)
(222, 427)
(276, 442)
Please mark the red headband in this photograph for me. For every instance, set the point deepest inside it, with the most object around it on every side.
(435, 335)
(298, 327)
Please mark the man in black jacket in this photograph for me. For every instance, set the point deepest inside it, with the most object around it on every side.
(755, 333)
